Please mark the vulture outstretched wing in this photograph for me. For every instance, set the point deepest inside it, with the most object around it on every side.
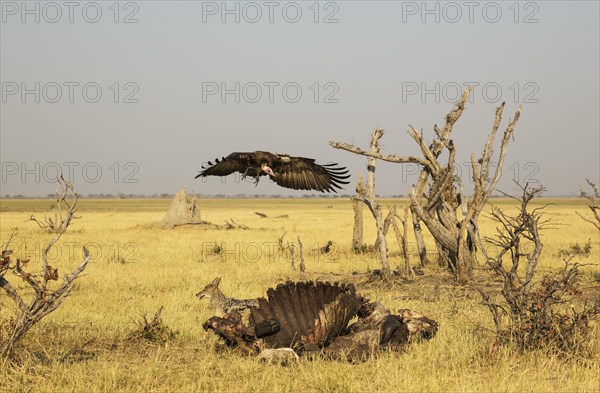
(301, 173)
(235, 162)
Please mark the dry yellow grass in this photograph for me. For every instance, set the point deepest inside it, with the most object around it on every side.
(137, 268)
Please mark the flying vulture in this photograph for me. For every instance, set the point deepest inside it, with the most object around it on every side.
(297, 173)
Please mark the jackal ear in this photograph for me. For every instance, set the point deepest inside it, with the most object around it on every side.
(216, 281)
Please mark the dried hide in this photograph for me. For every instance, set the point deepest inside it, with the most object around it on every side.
(314, 319)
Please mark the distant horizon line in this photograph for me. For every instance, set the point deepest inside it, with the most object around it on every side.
(243, 196)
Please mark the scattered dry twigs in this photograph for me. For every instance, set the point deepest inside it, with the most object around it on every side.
(288, 251)
(231, 224)
(302, 266)
(153, 330)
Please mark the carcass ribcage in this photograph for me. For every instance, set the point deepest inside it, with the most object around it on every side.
(307, 312)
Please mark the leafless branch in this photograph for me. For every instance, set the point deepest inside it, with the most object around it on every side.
(383, 157)
(13, 294)
(44, 300)
(593, 199)
(64, 208)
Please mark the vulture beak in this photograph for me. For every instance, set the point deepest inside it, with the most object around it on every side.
(267, 170)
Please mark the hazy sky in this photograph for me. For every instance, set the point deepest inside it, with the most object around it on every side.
(138, 107)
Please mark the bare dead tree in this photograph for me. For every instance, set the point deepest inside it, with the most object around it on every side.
(419, 237)
(402, 239)
(44, 299)
(437, 195)
(387, 223)
(65, 202)
(357, 207)
(530, 305)
(593, 200)
(370, 200)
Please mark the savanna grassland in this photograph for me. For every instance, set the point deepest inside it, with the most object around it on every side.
(137, 268)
